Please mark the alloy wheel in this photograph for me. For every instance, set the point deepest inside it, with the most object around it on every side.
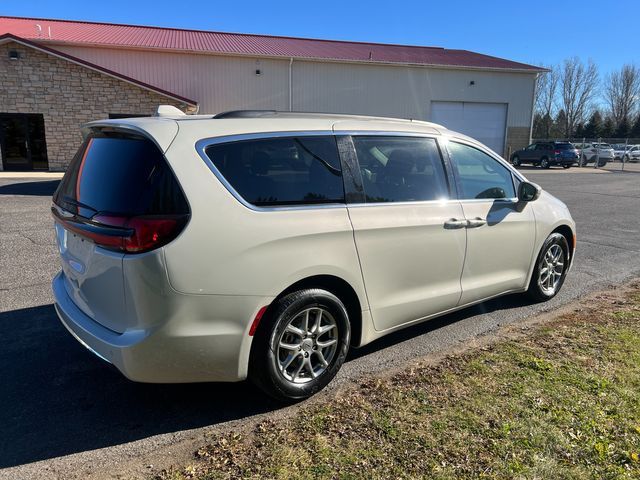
(307, 345)
(551, 269)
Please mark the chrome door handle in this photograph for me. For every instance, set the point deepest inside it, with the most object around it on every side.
(453, 223)
(476, 222)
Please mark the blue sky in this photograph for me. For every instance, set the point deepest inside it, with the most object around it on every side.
(532, 32)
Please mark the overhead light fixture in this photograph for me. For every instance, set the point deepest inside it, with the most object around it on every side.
(14, 55)
(258, 71)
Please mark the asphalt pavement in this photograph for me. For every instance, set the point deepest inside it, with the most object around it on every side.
(65, 413)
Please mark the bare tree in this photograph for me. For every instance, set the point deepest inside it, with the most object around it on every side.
(546, 96)
(622, 93)
(578, 87)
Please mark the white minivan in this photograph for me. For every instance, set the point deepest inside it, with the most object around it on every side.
(265, 244)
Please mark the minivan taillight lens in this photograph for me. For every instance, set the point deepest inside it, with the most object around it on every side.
(144, 233)
(131, 235)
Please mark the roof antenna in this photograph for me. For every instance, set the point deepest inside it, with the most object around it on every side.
(370, 55)
(49, 32)
(38, 30)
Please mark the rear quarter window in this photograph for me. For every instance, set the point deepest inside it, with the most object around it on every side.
(281, 171)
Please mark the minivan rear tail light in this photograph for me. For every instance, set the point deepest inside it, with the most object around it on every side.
(126, 234)
(556, 152)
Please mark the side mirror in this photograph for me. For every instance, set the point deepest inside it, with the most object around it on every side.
(528, 192)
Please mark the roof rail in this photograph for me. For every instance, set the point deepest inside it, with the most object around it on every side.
(285, 114)
(246, 114)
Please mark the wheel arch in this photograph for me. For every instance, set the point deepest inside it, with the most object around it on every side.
(567, 232)
(340, 288)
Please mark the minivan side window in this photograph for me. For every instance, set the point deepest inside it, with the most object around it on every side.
(284, 171)
(400, 169)
(479, 175)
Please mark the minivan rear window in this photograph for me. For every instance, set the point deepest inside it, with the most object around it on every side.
(120, 175)
(281, 171)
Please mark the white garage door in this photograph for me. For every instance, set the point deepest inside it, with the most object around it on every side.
(486, 122)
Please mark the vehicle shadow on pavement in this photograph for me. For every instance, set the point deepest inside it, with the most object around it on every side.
(501, 303)
(40, 188)
(58, 399)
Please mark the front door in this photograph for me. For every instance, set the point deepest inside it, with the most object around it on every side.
(500, 230)
(409, 233)
(22, 141)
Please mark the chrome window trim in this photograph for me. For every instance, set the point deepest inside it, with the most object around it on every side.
(385, 133)
(202, 144)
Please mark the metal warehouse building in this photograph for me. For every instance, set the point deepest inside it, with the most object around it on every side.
(56, 75)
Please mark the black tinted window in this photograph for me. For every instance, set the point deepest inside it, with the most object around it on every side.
(120, 175)
(479, 175)
(281, 171)
(400, 169)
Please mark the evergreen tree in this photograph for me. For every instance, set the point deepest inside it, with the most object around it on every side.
(624, 129)
(559, 128)
(538, 126)
(593, 128)
(635, 130)
(580, 129)
(608, 127)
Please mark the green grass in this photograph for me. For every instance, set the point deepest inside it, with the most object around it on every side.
(561, 403)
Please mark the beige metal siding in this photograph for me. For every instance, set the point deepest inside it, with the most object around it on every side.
(221, 83)
(406, 91)
(217, 83)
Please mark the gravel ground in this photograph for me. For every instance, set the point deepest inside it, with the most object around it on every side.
(65, 414)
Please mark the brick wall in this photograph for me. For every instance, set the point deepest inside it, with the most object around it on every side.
(517, 138)
(67, 95)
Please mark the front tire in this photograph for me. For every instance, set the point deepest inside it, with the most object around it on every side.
(301, 345)
(551, 268)
(566, 166)
(515, 161)
(544, 163)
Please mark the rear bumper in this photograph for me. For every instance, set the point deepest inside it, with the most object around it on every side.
(563, 161)
(188, 347)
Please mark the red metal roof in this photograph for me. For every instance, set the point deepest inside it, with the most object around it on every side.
(134, 36)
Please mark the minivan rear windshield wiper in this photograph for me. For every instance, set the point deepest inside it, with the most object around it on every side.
(75, 202)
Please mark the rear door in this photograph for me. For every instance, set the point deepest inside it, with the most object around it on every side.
(500, 231)
(409, 232)
(112, 178)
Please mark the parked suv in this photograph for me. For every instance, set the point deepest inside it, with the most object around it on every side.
(590, 151)
(266, 245)
(546, 154)
(632, 154)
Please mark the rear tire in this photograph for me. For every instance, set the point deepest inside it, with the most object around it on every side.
(566, 166)
(544, 163)
(515, 161)
(550, 269)
(301, 346)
